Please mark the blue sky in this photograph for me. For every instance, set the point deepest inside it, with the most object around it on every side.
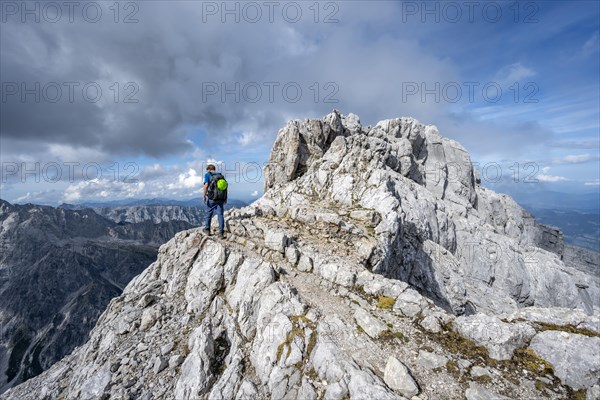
(370, 58)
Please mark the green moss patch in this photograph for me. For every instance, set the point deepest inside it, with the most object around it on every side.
(298, 330)
(527, 358)
(566, 328)
(457, 344)
(523, 358)
(453, 369)
(387, 303)
(391, 337)
(483, 379)
(576, 394)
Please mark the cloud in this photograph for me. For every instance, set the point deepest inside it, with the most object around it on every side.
(102, 188)
(247, 138)
(574, 159)
(254, 193)
(152, 172)
(544, 177)
(181, 59)
(69, 153)
(179, 181)
(359, 64)
(27, 196)
(577, 144)
(189, 180)
(591, 45)
(512, 73)
(595, 182)
(551, 178)
(501, 137)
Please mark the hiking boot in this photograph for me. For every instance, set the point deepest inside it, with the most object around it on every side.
(207, 231)
(222, 235)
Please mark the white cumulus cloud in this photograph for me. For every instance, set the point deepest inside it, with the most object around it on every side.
(545, 177)
(102, 188)
(188, 180)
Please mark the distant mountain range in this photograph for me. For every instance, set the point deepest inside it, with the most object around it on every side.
(194, 202)
(551, 200)
(577, 215)
(580, 228)
(154, 210)
(569, 197)
(59, 268)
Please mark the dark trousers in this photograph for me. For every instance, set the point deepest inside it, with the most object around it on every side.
(214, 207)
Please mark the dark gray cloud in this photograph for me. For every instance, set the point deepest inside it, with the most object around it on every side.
(176, 52)
(174, 57)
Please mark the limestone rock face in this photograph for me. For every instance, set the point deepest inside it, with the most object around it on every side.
(499, 338)
(478, 392)
(437, 229)
(575, 358)
(371, 325)
(370, 269)
(397, 377)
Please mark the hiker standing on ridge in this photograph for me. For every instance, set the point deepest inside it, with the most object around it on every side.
(215, 197)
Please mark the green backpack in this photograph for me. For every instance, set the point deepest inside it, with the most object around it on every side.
(217, 187)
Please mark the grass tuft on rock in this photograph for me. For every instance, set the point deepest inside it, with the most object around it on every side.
(567, 328)
(483, 379)
(576, 394)
(312, 342)
(297, 330)
(453, 369)
(312, 374)
(531, 361)
(455, 343)
(390, 336)
(387, 303)
(541, 387)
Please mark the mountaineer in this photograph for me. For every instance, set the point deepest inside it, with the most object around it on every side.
(215, 197)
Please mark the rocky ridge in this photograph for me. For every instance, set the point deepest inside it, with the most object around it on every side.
(157, 213)
(366, 271)
(154, 213)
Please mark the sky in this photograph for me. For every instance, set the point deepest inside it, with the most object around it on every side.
(104, 101)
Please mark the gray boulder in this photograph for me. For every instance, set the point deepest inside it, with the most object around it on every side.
(499, 338)
(431, 360)
(369, 323)
(397, 377)
(574, 358)
(479, 392)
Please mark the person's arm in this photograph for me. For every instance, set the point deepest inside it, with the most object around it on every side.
(204, 193)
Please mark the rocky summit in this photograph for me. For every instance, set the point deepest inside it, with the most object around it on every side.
(374, 267)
